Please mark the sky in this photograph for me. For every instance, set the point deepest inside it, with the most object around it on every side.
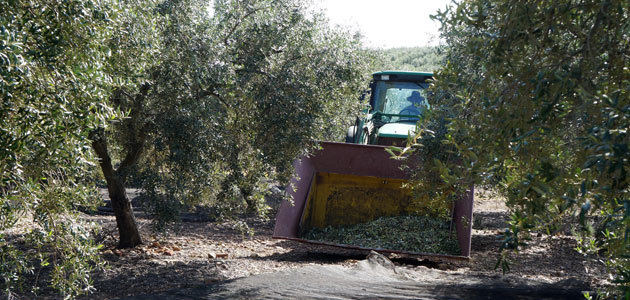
(389, 23)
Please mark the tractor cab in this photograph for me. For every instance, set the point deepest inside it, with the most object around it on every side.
(397, 100)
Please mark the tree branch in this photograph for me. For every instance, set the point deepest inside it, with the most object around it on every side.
(134, 151)
(206, 93)
(240, 21)
(100, 148)
(244, 70)
(135, 146)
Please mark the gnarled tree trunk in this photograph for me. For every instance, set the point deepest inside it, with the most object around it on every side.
(125, 220)
(136, 130)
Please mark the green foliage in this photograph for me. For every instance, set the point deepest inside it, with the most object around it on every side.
(438, 178)
(433, 235)
(232, 98)
(52, 85)
(206, 106)
(535, 95)
(422, 59)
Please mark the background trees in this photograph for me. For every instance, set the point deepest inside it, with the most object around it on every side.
(424, 59)
(536, 97)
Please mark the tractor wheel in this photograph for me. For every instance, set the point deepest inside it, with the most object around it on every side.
(366, 137)
(351, 134)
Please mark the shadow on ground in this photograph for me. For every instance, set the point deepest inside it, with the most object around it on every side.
(374, 278)
(490, 220)
(151, 276)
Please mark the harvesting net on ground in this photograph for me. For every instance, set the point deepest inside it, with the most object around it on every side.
(421, 234)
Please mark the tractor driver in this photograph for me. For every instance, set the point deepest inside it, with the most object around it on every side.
(416, 101)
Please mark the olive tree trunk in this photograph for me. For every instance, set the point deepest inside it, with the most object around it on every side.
(129, 236)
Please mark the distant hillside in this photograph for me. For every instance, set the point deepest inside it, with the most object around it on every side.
(409, 59)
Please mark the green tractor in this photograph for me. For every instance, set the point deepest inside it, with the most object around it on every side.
(344, 184)
(397, 100)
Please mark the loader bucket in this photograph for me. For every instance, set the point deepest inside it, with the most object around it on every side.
(345, 184)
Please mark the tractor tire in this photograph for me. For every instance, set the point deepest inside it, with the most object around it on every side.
(351, 134)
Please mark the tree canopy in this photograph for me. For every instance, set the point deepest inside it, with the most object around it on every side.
(53, 89)
(535, 98)
(198, 103)
(230, 100)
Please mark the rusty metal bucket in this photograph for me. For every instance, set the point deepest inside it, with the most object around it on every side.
(370, 184)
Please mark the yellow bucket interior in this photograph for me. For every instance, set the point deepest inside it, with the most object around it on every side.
(340, 199)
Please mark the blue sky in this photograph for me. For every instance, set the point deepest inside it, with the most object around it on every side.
(387, 24)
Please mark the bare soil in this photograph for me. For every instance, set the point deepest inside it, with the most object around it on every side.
(204, 253)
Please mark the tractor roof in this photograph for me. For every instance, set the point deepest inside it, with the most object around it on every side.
(402, 75)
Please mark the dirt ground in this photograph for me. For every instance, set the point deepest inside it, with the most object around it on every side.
(203, 253)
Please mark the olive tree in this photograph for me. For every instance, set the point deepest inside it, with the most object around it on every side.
(52, 87)
(535, 98)
(203, 103)
(230, 96)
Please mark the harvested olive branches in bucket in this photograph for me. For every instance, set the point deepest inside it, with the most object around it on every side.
(421, 234)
